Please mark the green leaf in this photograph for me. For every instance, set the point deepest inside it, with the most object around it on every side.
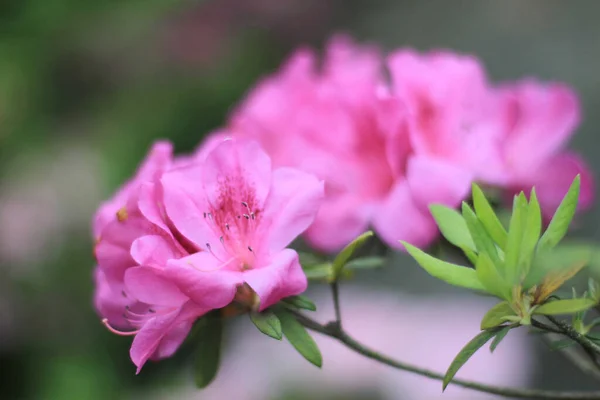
(490, 278)
(515, 236)
(366, 262)
(488, 217)
(561, 344)
(301, 302)
(557, 264)
(561, 220)
(450, 273)
(568, 306)
(268, 323)
(208, 350)
(297, 335)
(499, 337)
(309, 260)
(344, 256)
(321, 271)
(531, 234)
(453, 226)
(463, 356)
(482, 239)
(497, 315)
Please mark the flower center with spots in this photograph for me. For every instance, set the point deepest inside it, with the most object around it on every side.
(234, 219)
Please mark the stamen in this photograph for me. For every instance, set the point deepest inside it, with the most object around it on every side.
(246, 216)
(221, 240)
(151, 310)
(244, 204)
(123, 293)
(204, 215)
(252, 215)
(250, 249)
(226, 226)
(116, 331)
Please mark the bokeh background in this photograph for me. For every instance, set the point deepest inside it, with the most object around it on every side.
(86, 86)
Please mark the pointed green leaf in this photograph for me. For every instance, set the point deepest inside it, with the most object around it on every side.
(499, 337)
(369, 262)
(490, 278)
(531, 234)
(561, 220)
(208, 350)
(450, 273)
(453, 226)
(568, 306)
(267, 323)
(344, 256)
(483, 241)
(497, 315)
(488, 217)
(301, 302)
(297, 335)
(515, 238)
(463, 356)
(563, 260)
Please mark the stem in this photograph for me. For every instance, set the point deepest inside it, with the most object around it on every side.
(569, 331)
(336, 303)
(333, 330)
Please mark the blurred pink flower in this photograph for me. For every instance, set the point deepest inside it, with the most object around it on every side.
(537, 121)
(427, 332)
(242, 214)
(385, 152)
(387, 149)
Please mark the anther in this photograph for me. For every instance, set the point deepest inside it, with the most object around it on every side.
(204, 215)
(246, 216)
(244, 204)
(227, 226)
(151, 310)
(123, 293)
(250, 249)
(221, 239)
(252, 215)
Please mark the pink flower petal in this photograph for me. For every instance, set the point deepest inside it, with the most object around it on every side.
(541, 118)
(283, 277)
(186, 205)
(154, 251)
(172, 340)
(150, 286)
(204, 279)
(292, 205)
(398, 218)
(434, 180)
(148, 339)
(158, 158)
(339, 220)
(553, 179)
(239, 166)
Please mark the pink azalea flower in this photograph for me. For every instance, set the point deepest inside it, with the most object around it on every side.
(537, 121)
(385, 152)
(242, 214)
(134, 243)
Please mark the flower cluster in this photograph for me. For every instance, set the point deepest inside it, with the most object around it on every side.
(389, 142)
(189, 235)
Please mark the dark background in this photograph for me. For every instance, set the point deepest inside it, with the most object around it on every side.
(86, 86)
